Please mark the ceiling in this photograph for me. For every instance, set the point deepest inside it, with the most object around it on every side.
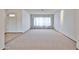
(43, 11)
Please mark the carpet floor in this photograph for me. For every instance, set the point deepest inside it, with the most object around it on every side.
(40, 39)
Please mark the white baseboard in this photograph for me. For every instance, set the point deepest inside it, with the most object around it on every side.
(12, 32)
(66, 35)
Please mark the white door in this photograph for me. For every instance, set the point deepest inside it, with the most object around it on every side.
(11, 23)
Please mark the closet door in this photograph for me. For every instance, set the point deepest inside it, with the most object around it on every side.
(11, 22)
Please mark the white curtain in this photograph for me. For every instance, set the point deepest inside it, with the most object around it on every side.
(42, 21)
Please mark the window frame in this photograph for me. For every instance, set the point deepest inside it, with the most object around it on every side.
(42, 15)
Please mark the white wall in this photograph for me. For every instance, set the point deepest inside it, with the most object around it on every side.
(57, 22)
(13, 24)
(2, 31)
(69, 24)
(25, 20)
(77, 26)
(66, 24)
(19, 23)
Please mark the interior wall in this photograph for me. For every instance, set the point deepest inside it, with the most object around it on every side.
(14, 24)
(2, 29)
(57, 22)
(77, 26)
(19, 23)
(25, 20)
(65, 23)
(69, 24)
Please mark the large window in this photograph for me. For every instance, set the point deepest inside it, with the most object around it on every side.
(42, 21)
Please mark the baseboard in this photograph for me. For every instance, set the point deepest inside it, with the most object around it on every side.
(65, 35)
(13, 32)
(77, 49)
(4, 49)
(69, 38)
(27, 30)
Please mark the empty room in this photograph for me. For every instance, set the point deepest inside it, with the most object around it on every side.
(39, 29)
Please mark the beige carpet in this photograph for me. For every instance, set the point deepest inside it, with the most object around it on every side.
(42, 40)
(11, 36)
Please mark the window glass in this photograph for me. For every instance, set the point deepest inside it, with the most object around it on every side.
(42, 21)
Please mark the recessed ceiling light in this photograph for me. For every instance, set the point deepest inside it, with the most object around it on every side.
(11, 15)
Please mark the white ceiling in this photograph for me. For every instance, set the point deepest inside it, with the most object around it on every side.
(43, 11)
